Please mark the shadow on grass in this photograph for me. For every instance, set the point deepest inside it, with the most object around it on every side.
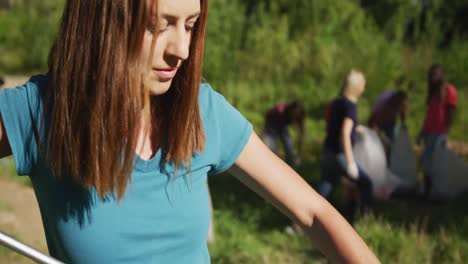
(230, 194)
(427, 216)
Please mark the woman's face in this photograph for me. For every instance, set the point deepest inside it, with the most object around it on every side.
(436, 78)
(361, 88)
(176, 19)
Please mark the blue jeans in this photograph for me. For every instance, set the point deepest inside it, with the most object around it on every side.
(270, 135)
(430, 143)
(330, 174)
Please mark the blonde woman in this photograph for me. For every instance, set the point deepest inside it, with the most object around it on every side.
(338, 158)
(120, 136)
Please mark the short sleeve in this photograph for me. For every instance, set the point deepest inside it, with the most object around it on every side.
(19, 109)
(452, 96)
(227, 131)
(349, 110)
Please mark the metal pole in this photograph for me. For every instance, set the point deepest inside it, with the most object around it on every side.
(26, 250)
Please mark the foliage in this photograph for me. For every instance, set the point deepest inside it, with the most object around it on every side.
(283, 51)
(26, 34)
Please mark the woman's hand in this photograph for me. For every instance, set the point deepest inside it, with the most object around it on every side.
(352, 170)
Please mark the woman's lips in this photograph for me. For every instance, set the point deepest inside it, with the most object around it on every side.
(165, 74)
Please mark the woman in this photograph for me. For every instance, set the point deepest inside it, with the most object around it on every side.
(119, 137)
(338, 158)
(441, 106)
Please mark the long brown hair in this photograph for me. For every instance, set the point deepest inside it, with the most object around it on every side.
(95, 97)
(177, 110)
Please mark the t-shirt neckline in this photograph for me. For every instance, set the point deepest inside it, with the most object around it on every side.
(147, 164)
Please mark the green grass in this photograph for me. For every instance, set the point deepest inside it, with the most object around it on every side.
(402, 230)
(7, 171)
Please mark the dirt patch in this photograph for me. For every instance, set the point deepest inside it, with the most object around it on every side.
(460, 147)
(20, 218)
(13, 81)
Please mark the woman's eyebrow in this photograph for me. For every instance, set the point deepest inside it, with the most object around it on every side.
(170, 17)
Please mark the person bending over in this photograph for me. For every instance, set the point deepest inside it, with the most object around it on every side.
(391, 106)
(277, 121)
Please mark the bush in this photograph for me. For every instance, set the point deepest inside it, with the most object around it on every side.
(26, 34)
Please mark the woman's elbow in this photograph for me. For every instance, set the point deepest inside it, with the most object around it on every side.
(312, 209)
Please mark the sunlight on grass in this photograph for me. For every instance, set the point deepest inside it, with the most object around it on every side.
(7, 171)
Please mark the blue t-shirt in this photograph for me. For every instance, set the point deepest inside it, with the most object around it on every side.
(161, 219)
(339, 109)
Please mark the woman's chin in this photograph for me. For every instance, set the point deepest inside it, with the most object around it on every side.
(157, 87)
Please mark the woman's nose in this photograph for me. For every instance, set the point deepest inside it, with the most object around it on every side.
(178, 44)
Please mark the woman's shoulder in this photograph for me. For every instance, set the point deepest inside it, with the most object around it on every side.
(30, 93)
(21, 109)
(451, 97)
(35, 89)
(35, 86)
(39, 80)
(451, 88)
(340, 101)
(208, 98)
(33, 83)
(206, 91)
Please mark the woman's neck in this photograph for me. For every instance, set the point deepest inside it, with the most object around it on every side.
(351, 97)
(148, 141)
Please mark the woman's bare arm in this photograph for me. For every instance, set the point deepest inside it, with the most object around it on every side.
(266, 174)
(346, 139)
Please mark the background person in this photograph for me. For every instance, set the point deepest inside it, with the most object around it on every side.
(338, 158)
(390, 107)
(277, 121)
(441, 105)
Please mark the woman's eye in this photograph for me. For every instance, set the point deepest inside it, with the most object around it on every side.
(189, 27)
(151, 28)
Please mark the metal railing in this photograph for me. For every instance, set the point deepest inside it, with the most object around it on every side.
(26, 250)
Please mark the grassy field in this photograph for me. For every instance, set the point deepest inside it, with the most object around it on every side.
(402, 230)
